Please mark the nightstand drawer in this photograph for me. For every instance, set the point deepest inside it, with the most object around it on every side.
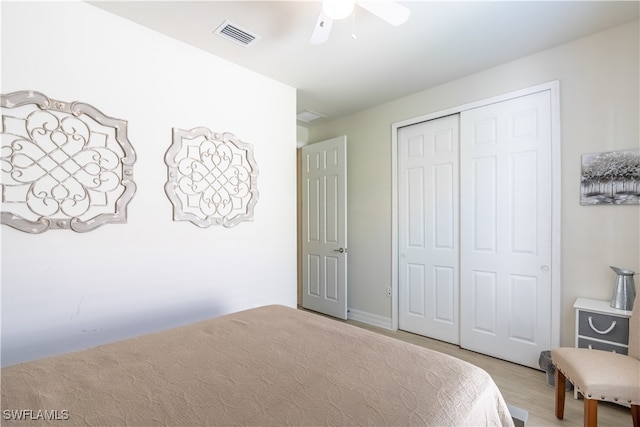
(597, 345)
(603, 327)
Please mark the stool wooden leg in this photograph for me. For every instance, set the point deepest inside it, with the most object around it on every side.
(560, 394)
(635, 414)
(590, 412)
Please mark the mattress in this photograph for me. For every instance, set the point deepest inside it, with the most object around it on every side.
(268, 366)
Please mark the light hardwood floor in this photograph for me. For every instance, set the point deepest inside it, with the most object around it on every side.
(521, 386)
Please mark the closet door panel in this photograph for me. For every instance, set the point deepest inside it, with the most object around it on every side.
(428, 227)
(506, 194)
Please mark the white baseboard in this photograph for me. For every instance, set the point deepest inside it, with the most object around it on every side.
(370, 319)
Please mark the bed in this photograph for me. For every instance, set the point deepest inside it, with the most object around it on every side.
(267, 366)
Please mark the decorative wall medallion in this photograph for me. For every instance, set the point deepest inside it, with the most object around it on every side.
(211, 178)
(64, 165)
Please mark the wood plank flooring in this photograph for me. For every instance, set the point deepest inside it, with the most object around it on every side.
(521, 386)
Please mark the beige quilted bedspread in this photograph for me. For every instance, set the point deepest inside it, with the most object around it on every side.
(268, 366)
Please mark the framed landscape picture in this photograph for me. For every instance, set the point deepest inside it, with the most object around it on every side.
(611, 178)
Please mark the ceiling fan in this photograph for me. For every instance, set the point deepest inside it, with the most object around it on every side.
(388, 10)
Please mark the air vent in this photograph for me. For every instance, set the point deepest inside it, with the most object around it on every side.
(236, 34)
(308, 116)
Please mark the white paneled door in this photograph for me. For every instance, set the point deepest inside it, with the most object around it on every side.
(428, 228)
(475, 204)
(506, 226)
(324, 227)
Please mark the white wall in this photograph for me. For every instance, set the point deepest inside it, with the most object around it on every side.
(599, 96)
(63, 290)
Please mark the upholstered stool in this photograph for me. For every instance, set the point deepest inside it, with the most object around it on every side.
(601, 375)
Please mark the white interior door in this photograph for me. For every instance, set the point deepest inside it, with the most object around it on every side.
(428, 227)
(324, 227)
(506, 228)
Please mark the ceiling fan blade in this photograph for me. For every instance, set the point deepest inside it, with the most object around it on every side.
(321, 30)
(388, 10)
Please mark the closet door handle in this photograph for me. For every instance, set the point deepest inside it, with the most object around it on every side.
(606, 331)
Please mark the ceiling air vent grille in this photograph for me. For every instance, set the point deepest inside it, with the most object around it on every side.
(236, 34)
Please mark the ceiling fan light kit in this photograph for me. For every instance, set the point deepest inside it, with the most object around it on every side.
(337, 9)
(333, 10)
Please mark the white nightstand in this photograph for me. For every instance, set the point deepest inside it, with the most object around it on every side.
(601, 327)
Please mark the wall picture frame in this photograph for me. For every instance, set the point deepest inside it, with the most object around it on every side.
(610, 178)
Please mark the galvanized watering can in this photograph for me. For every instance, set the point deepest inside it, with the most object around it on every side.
(624, 290)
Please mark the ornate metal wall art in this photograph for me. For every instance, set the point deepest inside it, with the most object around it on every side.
(211, 178)
(64, 165)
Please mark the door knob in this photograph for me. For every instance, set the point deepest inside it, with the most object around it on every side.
(341, 250)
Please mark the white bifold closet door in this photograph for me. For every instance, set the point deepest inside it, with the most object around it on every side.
(474, 238)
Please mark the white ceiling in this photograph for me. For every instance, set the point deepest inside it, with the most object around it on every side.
(442, 41)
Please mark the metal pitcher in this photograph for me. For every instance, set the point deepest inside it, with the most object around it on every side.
(624, 290)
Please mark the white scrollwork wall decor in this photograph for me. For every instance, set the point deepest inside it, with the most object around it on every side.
(65, 165)
(211, 178)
